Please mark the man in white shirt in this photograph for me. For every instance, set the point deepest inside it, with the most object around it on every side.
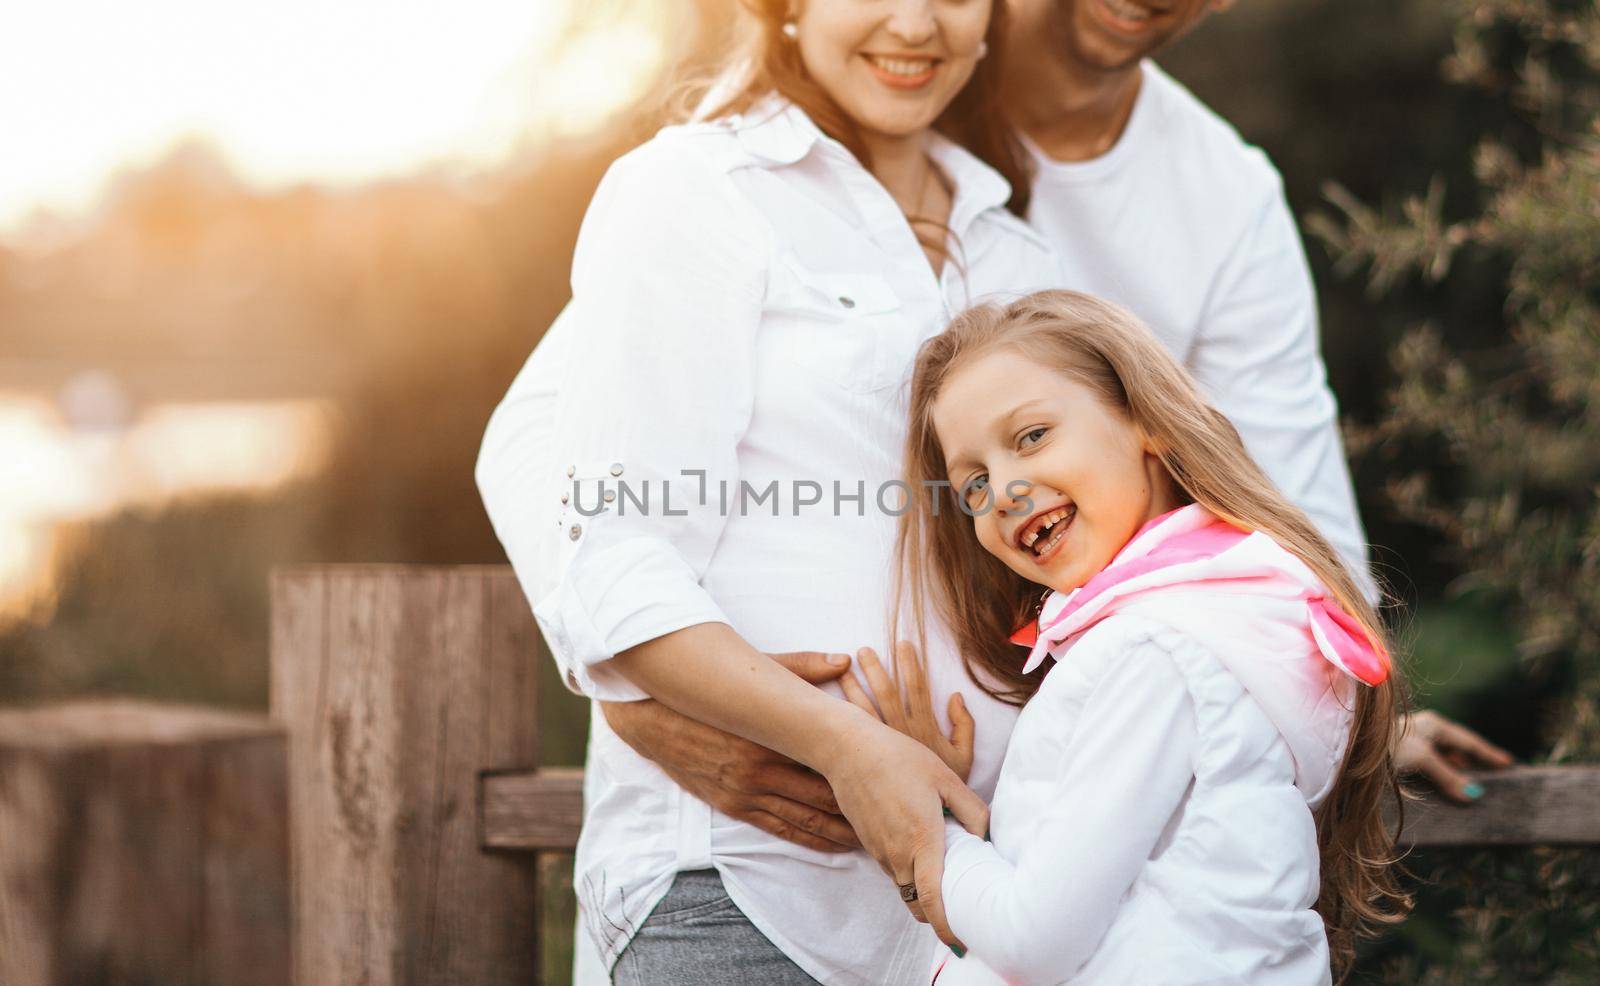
(1154, 202)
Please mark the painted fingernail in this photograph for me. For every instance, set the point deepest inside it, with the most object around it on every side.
(1473, 790)
(960, 952)
(947, 811)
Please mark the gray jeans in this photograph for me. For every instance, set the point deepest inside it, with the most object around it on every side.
(697, 936)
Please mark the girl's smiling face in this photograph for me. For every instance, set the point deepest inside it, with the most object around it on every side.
(1057, 480)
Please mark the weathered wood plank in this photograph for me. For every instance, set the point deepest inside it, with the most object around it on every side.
(543, 810)
(142, 843)
(245, 912)
(533, 809)
(398, 684)
(98, 723)
(558, 912)
(1520, 806)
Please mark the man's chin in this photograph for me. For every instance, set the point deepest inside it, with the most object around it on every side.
(1098, 49)
(1103, 55)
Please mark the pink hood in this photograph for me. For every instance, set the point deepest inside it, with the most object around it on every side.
(1253, 605)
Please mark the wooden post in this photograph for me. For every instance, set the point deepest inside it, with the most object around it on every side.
(398, 685)
(142, 843)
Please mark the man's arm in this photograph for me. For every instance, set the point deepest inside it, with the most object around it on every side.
(1258, 357)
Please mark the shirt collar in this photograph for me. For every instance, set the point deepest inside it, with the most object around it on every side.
(779, 133)
(978, 186)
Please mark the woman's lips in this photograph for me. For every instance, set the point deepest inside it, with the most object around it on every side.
(902, 73)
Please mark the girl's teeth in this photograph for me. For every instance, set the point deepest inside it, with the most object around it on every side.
(1051, 519)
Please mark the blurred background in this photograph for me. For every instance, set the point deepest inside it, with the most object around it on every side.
(265, 270)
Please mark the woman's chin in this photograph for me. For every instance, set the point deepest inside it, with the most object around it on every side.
(885, 119)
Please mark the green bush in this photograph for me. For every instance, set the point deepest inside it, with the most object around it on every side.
(1510, 429)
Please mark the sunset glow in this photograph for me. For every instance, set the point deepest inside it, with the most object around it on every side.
(298, 90)
(51, 473)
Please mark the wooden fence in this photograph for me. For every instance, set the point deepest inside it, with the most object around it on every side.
(420, 823)
(414, 771)
(142, 843)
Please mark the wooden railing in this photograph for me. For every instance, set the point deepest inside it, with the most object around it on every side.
(1522, 806)
(420, 822)
(414, 772)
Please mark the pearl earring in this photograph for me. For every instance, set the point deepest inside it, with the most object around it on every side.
(791, 30)
(983, 48)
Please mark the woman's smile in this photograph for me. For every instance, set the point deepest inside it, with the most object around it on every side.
(902, 71)
(892, 67)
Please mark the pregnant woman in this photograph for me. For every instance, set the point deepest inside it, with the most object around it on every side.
(697, 468)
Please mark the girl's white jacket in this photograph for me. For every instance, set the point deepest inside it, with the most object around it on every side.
(1153, 818)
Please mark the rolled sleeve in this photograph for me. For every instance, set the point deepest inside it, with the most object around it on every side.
(1258, 358)
(597, 490)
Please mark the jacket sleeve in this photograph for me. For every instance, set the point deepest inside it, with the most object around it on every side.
(597, 491)
(1125, 771)
(1258, 358)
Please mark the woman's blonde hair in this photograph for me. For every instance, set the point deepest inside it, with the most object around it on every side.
(940, 564)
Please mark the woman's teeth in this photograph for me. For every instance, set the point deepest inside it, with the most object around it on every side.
(1127, 11)
(1044, 537)
(909, 67)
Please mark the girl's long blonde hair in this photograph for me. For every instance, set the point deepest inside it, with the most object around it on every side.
(942, 567)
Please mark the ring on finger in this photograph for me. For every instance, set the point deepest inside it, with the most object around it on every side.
(908, 892)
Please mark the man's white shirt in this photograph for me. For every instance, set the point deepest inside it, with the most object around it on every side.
(1185, 225)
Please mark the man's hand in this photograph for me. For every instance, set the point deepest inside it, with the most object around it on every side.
(1429, 744)
(737, 777)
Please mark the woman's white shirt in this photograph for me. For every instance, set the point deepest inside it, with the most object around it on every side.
(725, 396)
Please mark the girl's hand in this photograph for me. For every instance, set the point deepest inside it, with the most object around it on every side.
(908, 706)
(894, 792)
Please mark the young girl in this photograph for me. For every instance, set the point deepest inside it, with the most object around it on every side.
(1191, 794)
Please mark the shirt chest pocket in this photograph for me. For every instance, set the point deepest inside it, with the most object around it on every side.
(841, 327)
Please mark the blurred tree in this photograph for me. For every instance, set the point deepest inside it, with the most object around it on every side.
(1517, 421)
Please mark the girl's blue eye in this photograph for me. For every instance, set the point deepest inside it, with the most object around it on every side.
(976, 486)
(1036, 434)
